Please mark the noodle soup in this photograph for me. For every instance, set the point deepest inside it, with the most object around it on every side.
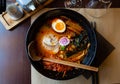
(64, 39)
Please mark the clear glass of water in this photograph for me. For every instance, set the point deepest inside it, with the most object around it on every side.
(97, 8)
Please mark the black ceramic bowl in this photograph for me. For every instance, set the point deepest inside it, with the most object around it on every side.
(78, 18)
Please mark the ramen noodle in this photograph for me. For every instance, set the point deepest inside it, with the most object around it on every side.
(64, 39)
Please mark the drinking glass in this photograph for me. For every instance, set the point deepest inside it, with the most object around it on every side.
(14, 11)
(73, 3)
(97, 8)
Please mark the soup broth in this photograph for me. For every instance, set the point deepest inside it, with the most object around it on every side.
(64, 39)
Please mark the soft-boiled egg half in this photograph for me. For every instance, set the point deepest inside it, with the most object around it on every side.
(58, 25)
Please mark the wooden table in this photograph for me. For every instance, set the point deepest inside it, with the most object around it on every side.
(14, 65)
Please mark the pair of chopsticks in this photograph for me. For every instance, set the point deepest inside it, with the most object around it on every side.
(72, 64)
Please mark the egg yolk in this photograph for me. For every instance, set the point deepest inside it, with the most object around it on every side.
(59, 26)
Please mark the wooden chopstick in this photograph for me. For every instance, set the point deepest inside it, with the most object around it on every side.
(72, 64)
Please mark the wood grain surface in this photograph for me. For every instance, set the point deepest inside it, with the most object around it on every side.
(14, 64)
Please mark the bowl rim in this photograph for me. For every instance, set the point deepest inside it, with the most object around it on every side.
(61, 9)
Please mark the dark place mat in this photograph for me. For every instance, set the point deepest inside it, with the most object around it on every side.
(104, 48)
